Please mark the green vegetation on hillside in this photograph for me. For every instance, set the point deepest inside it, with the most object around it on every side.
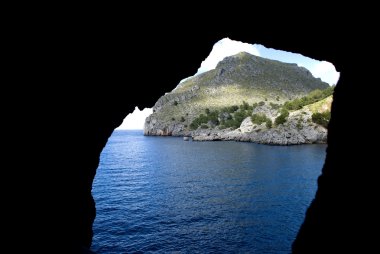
(312, 97)
(233, 116)
(201, 120)
(321, 118)
(227, 117)
(321, 106)
(275, 106)
(281, 119)
(268, 123)
(259, 118)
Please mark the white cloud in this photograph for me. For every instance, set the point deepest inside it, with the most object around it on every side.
(326, 71)
(223, 48)
(135, 120)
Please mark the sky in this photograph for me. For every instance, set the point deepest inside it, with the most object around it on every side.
(227, 47)
(135, 120)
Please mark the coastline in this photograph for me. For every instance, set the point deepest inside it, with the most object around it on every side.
(282, 135)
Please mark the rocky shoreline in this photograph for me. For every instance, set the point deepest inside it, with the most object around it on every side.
(270, 137)
(293, 132)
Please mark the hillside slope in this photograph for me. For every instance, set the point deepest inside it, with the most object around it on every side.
(240, 78)
(299, 127)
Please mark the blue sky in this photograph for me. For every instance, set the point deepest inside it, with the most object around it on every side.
(227, 47)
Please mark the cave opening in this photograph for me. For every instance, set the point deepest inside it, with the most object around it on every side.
(176, 195)
(90, 73)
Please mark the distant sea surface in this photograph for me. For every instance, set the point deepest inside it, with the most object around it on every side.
(166, 195)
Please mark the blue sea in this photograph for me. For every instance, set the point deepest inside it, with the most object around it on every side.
(166, 195)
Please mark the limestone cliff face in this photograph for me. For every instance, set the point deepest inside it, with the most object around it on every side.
(299, 129)
(238, 78)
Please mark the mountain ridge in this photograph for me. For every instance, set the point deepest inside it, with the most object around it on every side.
(237, 78)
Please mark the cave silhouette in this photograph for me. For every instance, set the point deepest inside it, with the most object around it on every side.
(97, 72)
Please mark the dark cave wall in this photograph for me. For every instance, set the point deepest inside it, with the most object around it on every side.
(98, 75)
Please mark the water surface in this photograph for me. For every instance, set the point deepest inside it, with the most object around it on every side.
(162, 194)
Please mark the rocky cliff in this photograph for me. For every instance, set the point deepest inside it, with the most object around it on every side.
(260, 86)
(298, 129)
